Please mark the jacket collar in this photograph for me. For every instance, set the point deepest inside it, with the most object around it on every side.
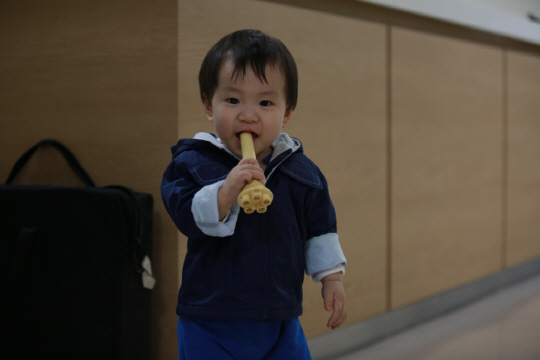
(281, 145)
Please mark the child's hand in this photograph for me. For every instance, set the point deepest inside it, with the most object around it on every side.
(334, 298)
(244, 173)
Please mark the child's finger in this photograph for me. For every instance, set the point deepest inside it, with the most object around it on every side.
(328, 298)
(340, 320)
(258, 175)
(329, 302)
(248, 161)
(328, 305)
(251, 166)
(336, 313)
(339, 313)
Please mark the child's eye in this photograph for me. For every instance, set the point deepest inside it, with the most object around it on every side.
(233, 101)
(265, 103)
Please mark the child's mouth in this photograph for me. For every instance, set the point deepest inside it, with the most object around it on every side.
(252, 134)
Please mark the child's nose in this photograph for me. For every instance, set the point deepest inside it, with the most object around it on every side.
(248, 114)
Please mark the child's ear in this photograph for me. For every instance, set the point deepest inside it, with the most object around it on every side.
(287, 116)
(208, 109)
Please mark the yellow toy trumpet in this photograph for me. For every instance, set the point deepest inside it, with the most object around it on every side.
(254, 196)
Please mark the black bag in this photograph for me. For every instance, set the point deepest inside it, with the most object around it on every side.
(70, 265)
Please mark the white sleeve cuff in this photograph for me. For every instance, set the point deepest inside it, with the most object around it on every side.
(323, 253)
(206, 213)
(317, 277)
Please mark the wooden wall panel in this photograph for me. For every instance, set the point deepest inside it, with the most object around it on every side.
(100, 77)
(446, 163)
(523, 157)
(340, 118)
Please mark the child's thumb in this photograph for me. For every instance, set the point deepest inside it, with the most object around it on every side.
(328, 303)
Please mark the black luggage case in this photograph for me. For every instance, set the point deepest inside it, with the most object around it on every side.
(70, 259)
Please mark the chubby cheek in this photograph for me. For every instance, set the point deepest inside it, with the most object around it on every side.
(230, 140)
(277, 128)
(235, 146)
(223, 127)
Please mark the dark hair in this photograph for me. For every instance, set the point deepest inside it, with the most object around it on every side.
(253, 48)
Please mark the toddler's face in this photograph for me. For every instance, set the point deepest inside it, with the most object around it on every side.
(249, 104)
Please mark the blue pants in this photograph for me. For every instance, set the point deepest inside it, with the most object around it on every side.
(241, 340)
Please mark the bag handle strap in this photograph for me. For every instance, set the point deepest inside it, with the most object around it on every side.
(68, 156)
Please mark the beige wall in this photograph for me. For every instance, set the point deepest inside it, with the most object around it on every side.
(523, 156)
(446, 163)
(100, 77)
(426, 132)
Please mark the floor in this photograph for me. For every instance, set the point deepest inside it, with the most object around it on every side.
(502, 326)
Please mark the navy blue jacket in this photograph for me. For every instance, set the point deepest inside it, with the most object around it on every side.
(254, 271)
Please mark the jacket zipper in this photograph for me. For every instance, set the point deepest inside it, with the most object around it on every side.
(227, 151)
(267, 241)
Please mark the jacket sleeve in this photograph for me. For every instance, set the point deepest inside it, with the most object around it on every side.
(323, 253)
(206, 213)
(193, 206)
(324, 256)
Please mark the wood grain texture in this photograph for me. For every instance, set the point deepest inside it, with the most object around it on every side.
(523, 157)
(447, 163)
